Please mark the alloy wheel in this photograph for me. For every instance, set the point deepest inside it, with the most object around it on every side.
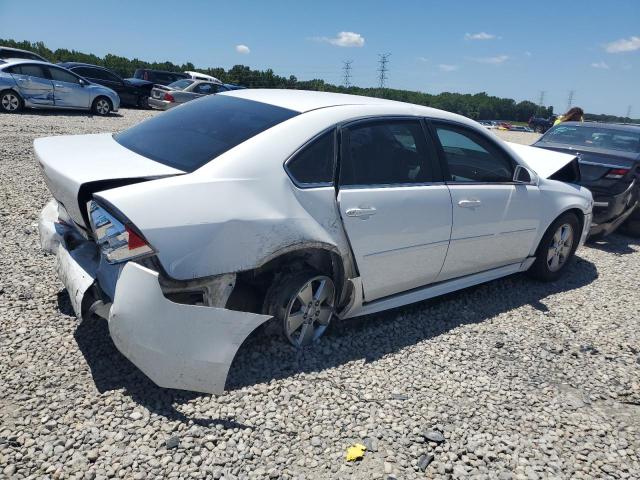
(560, 247)
(10, 102)
(309, 311)
(102, 106)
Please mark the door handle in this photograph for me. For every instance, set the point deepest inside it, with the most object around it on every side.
(469, 203)
(360, 212)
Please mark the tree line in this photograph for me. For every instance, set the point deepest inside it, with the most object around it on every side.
(479, 106)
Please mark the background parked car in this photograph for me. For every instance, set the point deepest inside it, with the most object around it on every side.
(159, 76)
(165, 97)
(609, 157)
(132, 91)
(34, 84)
(541, 125)
(8, 52)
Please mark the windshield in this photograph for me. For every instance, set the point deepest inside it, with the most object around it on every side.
(594, 137)
(180, 84)
(193, 134)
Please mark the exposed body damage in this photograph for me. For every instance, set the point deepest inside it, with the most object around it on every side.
(215, 241)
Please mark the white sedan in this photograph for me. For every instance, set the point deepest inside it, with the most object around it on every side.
(190, 230)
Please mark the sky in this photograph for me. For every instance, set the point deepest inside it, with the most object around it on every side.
(513, 49)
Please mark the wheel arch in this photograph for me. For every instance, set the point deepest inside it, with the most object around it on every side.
(14, 90)
(577, 211)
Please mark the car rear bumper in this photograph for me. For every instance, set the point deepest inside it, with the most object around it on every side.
(160, 104)
(180, 346)
(610, 211)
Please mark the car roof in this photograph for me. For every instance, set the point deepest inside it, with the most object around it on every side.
(629, 127)
(17, 61)
(79, 64)
(304, 101)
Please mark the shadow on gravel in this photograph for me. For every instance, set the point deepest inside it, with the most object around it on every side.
(63, 113)
(262, 358)
(617, 243)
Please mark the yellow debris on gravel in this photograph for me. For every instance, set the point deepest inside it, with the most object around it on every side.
(355, 452)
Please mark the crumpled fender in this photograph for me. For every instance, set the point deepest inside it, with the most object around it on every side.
(186, 347)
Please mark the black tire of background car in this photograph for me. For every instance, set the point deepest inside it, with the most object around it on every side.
(280, 294)
(632, 226)
(10, 92)
(540, 268)
(143, 101)
(94, 106)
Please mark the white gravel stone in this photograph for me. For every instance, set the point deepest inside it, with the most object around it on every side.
(71, 406)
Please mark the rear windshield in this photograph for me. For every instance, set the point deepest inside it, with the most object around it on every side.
(604, 138)
(181, 84)
(189, 136)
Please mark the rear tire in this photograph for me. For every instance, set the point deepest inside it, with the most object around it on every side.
(302, 303)
(101, 106)
(10, 102)
(556, 248)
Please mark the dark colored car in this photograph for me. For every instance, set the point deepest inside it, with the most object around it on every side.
(609, 158)
(159, 76)
(540, 124)
(132, 91)
(8, 52)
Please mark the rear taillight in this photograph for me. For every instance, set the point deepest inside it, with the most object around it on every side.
(119, 240)
(169, 98)
(616, 173)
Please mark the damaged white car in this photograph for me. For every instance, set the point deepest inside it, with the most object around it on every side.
(190, 230)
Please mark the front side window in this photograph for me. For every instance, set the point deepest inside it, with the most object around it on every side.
(60, 75)
(205, 88)
(389, 152)
(188, 137)
(180, 84)
(472, 158)
(314, 164)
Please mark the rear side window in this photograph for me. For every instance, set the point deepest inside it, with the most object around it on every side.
(389, 152)
(30, 70)
(188, 137)
(313, 165)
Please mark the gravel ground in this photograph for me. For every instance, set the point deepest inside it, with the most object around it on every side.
(520, 379)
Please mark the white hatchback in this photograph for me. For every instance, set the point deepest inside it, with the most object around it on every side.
(190, 230)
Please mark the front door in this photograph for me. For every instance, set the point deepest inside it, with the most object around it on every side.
(34, 84)
(68, 90)
(495, 220)
(395, 209)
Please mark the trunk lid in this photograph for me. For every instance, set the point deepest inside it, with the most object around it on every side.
(76, 166)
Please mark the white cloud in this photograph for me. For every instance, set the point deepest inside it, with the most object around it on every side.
(497, 60)
(479, 36)
(243, 49)
(528, 54)
(623, 45)
(600, 65)
(448, 68)
(343, 39)
(423, 59)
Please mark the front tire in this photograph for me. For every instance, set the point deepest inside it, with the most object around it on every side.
(556, 248)
(101, 106)
(10, 102)
(303, 304)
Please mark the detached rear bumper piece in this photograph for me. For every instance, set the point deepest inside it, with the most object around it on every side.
(180, 346)
(610, 211)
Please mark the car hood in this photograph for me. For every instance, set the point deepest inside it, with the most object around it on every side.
(544, 162)
(138, 82)
(76, 166)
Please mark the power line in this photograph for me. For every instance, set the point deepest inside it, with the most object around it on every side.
(383, 69)
(346, 69)
(570, 99)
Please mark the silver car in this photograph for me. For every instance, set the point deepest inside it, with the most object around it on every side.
(34, 84)
(181, 91)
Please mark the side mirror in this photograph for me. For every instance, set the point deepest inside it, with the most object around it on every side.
(83, 82)
(524, 175)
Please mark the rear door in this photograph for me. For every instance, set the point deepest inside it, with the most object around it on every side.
(394, 206)
(34, 83)
(67, 89)
(495, 220)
